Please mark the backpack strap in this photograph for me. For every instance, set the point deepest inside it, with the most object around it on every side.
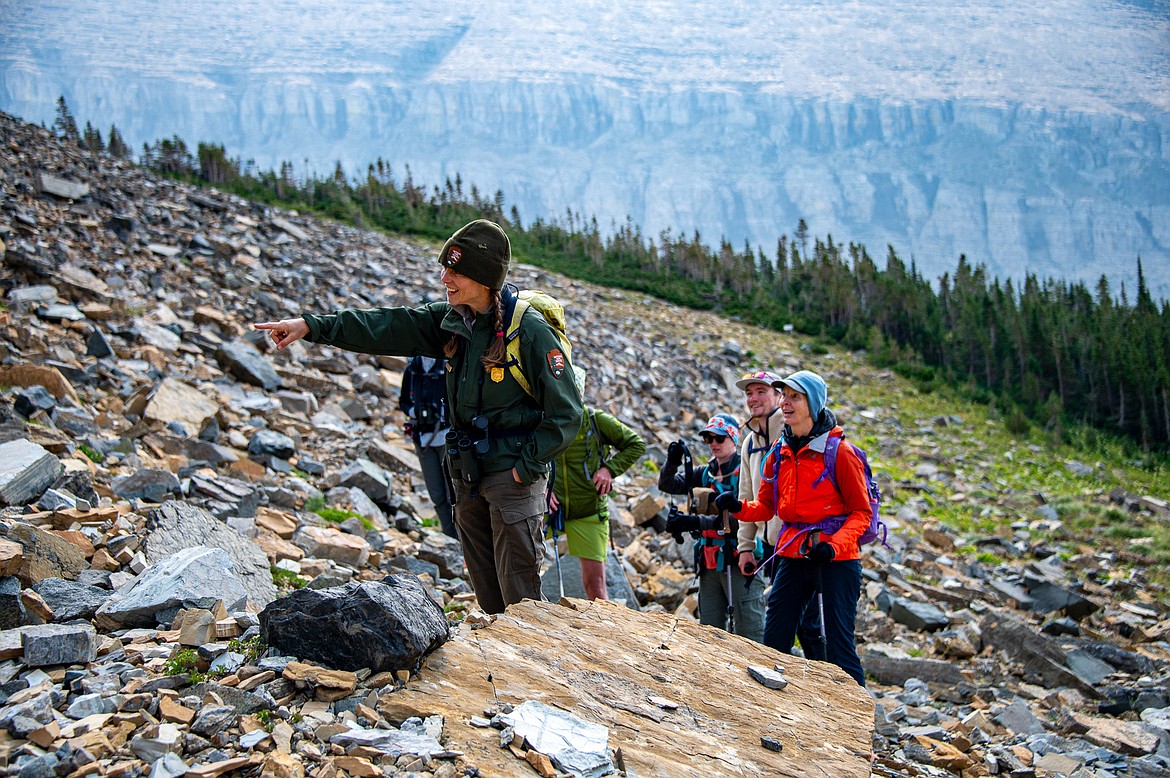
(512, 340)
(830, 457)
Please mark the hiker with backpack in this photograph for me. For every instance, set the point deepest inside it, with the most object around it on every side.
(823, 516)
(761, 433)
(727, 597)
(582, 480)
(512, 402)
(423, 399)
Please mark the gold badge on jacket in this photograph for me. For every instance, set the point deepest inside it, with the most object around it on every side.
(497, 374)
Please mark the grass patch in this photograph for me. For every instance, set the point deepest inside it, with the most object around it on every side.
(92, 453)
(287, 579)
(315, 503)
(339, 515)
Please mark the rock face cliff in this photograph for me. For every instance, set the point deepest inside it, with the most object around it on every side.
(939, 132)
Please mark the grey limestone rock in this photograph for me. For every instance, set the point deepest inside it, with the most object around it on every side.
(193, 577)
(26, 471)
(58, 644)
(246, 363)
(70, 599)
(178, 525)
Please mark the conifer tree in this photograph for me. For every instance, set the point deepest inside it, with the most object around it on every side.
(93, 139)
(116, 146)
(65, 125)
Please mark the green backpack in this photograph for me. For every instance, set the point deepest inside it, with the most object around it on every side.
(553, 312)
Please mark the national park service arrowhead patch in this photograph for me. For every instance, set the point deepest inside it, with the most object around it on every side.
(556, 362)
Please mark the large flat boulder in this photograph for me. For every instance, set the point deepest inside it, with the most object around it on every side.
(676, 696)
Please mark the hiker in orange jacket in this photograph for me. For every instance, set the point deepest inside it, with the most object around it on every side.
(821, 523)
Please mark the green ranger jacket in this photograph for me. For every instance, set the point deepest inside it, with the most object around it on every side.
(576, 465)
(524, 432)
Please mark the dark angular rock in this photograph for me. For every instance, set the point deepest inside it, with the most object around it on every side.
(1048, 597)
(32, 399)
(78, 483)
(272, 442)
(212, 719)
(414, 566)
(1060, 627)
(246, 363)
(371, 479)
(11, 609)
(918, 616)
(1088, 667)
(897, 670)
(1042, 658)
(310, 465)
(444, 551)
(383, 625)
(146, 484)
(70, 600)
(1013, 593)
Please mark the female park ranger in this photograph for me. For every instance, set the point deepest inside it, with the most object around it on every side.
(503, 438)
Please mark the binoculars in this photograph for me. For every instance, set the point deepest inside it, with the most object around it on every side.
(465, 448)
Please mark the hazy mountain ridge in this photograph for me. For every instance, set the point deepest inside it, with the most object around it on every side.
(917, 127)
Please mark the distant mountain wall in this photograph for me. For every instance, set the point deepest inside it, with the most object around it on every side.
(1063, 194)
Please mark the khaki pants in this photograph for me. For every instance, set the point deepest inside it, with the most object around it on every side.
(500, 529)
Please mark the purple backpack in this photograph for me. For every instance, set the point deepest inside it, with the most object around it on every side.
(877, 528)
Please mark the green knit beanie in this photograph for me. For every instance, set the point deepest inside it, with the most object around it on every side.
(479, 250)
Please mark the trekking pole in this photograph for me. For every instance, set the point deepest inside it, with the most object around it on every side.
(727, 563)
(557, 554)
(556, 521)
(814, 537)
(730, 601)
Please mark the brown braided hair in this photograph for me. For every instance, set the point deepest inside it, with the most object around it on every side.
(496, 354)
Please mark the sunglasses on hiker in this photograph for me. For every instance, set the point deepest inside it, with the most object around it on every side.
(709, 438)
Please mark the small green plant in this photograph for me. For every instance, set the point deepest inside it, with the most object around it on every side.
(430, 521)
(266, 719)
(915, 652)
(315, 503)
(287, 579)
(338, 515)
(92, 453)
(251, 649)
(300, 473)
(185, 661)
(987, 558)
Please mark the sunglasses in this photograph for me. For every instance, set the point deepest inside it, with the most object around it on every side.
(708, 439)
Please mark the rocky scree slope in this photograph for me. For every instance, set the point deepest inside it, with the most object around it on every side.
(145, 421)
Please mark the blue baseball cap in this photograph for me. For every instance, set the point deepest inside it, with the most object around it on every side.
(809, 384)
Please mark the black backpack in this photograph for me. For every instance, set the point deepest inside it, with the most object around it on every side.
(426, 398)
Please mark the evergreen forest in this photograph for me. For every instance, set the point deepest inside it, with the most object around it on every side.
(1044, 351)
